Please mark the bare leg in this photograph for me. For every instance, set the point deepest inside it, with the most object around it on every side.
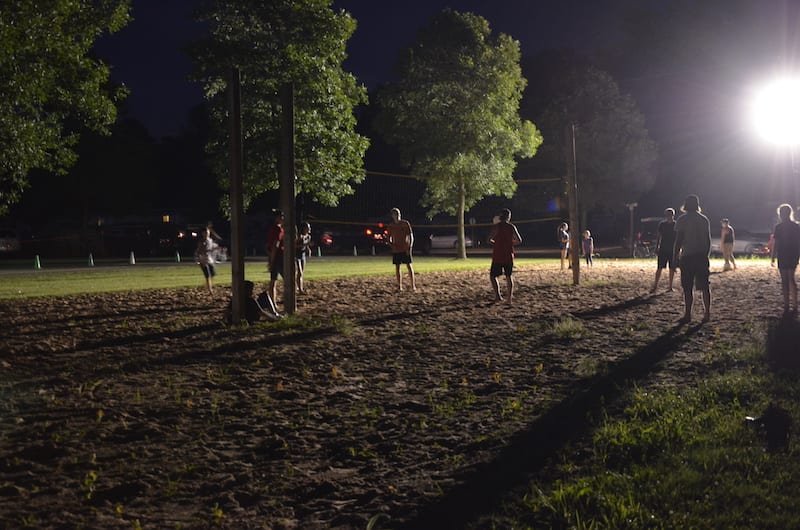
(787, 278)
(671, 278)
(210, 286)
(300, 267)
(658, 276)
(399, 277)
(510, 285)
(272, 288)
(707, 304)
(411, 276)
(688, 301)
(496, 289)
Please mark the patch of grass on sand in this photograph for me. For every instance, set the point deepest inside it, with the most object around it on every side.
(568, 328)
(678, 456)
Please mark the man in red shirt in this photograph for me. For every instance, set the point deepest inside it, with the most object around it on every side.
(504, 238)
(275, 251)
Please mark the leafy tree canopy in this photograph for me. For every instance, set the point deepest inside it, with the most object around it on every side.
(615, 156)
(274, 43)
(50, 86)
(454, 112)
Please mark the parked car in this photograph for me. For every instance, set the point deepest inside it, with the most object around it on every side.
(10, 243)
(443, 241)
(745, 244)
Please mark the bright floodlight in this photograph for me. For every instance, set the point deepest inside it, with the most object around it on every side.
(777, 112)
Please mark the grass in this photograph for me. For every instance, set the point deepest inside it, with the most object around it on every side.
(677, 457)
(65, 277)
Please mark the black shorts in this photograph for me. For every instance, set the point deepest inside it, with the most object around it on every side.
(665, 260)
(276, 269)
(694, 272)
(499, 269)
(208, 270)
(401, 257)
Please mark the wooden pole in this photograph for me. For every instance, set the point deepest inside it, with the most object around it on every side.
(238, 301)
(572, 195)
(287, 198)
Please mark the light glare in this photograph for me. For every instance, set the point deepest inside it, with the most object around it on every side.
(777, 112)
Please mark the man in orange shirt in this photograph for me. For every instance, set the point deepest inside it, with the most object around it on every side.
(401, 238)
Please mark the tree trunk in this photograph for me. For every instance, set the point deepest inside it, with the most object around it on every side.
(462, 246)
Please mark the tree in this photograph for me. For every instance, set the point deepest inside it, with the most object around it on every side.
(454, 113)
(50, 86)
(615, 155)
(274, 43)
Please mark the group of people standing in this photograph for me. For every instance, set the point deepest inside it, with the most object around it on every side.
(683, 243)
(587, 246)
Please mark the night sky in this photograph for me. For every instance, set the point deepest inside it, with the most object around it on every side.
(147, 54)
(697, 117)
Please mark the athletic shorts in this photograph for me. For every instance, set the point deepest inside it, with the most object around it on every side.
(277, 269)
(694, 272)
(401, 257)
(498, 269)
(665, 260)
(208, 270)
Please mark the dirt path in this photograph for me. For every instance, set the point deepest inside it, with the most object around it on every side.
(405, 407)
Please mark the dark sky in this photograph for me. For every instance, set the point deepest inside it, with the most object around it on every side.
(147, 54)
(147, 57)
(696, 116)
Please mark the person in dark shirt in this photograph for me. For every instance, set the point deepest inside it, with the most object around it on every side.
(787, 251)
(664, 248)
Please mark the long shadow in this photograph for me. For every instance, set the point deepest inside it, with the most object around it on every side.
(622, 306)
(65, 323)
(129, 340)
(268, 341)
(482, 488)
(783, 344)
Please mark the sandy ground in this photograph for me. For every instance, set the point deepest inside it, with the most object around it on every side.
(411, 410)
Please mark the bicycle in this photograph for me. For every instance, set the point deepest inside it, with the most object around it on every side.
(643, 249)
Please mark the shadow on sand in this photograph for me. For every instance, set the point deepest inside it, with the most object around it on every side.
(783, 343)
(482, 488)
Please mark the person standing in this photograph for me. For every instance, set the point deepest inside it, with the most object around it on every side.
(204, 254)
(588, 247)
(665, 248)
(504, 238)
(563, 241)
(692, 248)
(303, 252)
(726, 239)
(401, 238)
(786, 249)
(275, 247)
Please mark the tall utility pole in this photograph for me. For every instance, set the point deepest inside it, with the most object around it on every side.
(631, 240)
(287, 198)
(572, 196)
(237, 202)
